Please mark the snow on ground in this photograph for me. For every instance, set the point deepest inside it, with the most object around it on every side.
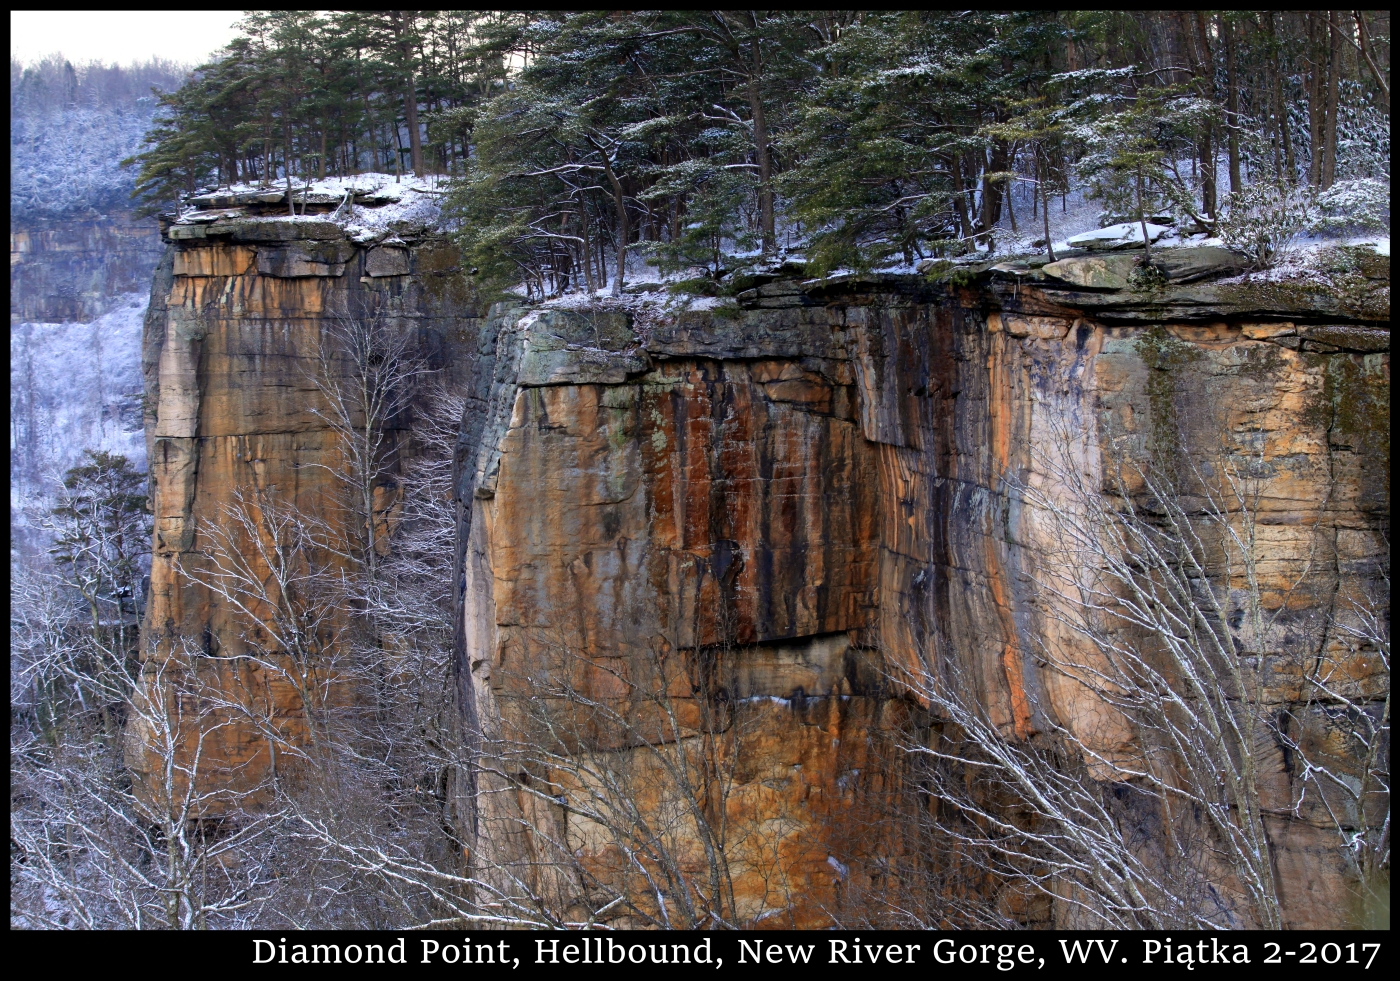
(374, 207)
(1303, 257)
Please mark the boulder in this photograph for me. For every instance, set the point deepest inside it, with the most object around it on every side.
(237, 199)
(184, 233)
(565, 347)
(312, 197)
(1186, 265)
(773, 296)
(1115, 272)
(387, 194)
(386, 261)
(1126, 235)
(298, 259)
(579, 366)
(602, 329)
(281, 229)
(1108, 272)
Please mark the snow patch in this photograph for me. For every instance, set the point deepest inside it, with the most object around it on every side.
(369, 206)
(1120, 236)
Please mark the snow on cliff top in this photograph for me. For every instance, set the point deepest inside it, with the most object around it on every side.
(368, 206)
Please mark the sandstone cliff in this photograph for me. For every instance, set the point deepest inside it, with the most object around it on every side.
(73, 270)
(773, 514)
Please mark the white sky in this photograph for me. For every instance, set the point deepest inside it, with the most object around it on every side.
(120, 36)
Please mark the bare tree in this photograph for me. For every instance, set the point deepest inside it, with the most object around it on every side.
(113, 819)
(341, 662)
(1138, 799)
(1339, 738)
(96, 846)
(367, 375)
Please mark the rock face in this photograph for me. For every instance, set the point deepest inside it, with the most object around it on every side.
(77, 297)
(236, 417)
(75, 270)
(747, 528)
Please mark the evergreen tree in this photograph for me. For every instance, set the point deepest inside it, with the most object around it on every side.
(102, 531)
(703, 140)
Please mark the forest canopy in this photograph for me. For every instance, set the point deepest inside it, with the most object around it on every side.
(70, 125)
(702, 139)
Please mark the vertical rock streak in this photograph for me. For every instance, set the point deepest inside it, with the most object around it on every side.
(822, 492)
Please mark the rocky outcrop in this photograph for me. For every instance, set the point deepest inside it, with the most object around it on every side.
(76, 270)
(778, 511)
(232, 340)
(824, 482)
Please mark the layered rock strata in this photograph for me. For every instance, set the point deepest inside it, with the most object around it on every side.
(768, 517)
(238, 341)
(76, 269)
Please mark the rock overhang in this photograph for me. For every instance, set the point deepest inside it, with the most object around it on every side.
(829, 456)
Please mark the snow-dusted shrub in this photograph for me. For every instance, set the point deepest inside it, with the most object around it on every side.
(1353, 206)
(1263, 219)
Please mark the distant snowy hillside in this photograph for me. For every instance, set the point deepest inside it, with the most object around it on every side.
(73, 387)
(80, 272)
(70, 128)
(67, 161)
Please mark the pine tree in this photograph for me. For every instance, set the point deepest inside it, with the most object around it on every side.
(585, 141)
(102, 531)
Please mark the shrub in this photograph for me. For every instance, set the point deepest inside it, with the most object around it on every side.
(1263, 220)
(1353, 206)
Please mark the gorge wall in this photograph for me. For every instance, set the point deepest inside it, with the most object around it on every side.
(73, 269)
(775, 512)
(78, 289)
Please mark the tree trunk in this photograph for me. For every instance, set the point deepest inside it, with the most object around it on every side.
(1142, 220)
(1316, 113)
(1334, 71)
(415, 143)
(622, 229)
(398, 150)
(1010, 207)
(991, 189)
(410, 96)
(960, 197)
(287, 166)
(1044, 202)
(583, 234)
(1364, 36)
(1280, 109)
(1232, 105)
(1205, 84)
(765, 164)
